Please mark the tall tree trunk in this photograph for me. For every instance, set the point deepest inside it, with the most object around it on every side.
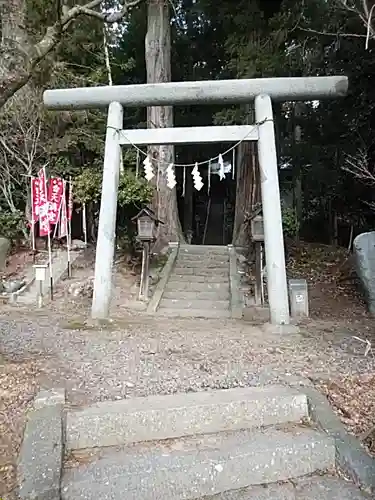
(14, 41)
(247, 191)
(14, 50)
(158, 66)
(12, 20)
(247, 185)
(188, 206)
(297, 174)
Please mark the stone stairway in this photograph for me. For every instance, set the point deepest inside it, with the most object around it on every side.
(199, 284)
(254, 443)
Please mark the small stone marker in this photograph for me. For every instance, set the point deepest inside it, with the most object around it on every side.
(298, 298)
(4, 249)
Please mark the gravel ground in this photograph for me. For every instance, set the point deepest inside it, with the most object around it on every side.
(143, 355)
(140, 355)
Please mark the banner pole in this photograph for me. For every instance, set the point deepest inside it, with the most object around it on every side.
(68, 239)
(32, 219)
(84, 223)
(59, 213)
(48, 235)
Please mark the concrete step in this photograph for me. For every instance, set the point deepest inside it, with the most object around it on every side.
(206, 465)
(150, 418)
(196, 286)
(202, 271)
(195, 304)
(194, 295)
(198, 278)
(312, 488)
(169, 312)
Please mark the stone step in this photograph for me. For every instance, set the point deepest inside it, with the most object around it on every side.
(280, 491)
(205, 465)
(190, 262)
(203, 250)
(198, 278)
(150, 418)
(176, 285)
(195, 304)
(204, 255)
(202, 271)
(202, 265)
(169, 312)
(312, 488)
(191, 295)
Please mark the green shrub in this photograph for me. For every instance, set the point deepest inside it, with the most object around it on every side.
(12, 225)
(131, 191)
(290, 221)
(133, 194)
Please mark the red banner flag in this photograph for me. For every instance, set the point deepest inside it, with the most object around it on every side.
(63, 226)
(44, 226)
(35, 200)
(55, 195)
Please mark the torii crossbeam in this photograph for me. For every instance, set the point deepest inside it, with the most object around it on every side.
(262, 90)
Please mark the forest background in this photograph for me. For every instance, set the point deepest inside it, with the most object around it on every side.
(326, 149)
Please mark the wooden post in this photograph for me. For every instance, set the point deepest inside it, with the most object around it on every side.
(144, 285)
(258, 273)
(147, 267)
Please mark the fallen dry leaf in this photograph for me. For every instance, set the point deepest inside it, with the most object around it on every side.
(18, 382)
(353, 399)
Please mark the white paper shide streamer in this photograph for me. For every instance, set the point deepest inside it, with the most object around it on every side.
(138, 159)
(171, 177)
(197, 178)
(148, 168)
(221, 167)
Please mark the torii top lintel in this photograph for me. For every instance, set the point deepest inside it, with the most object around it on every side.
(203, 92)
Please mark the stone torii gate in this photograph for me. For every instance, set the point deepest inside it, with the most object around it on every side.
(263, 91)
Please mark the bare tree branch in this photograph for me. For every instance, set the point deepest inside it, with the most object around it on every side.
(14, 80)
(363, 13)
(358, 166)
(12, 153)
(325, 33)
(369, 25)
(22, 152)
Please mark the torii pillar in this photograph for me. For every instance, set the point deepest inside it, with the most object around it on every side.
(263, 91)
